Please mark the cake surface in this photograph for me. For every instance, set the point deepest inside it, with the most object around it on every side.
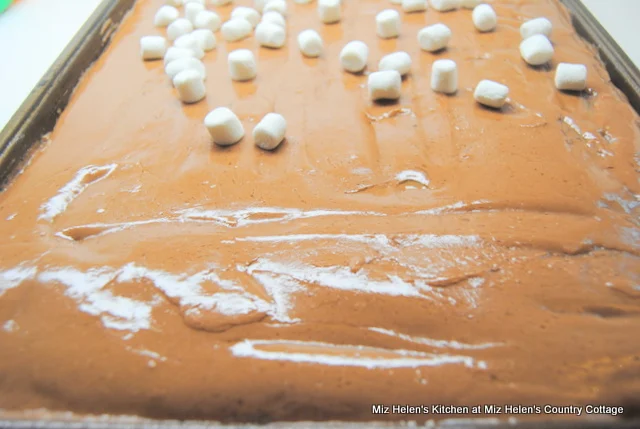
(427, 251)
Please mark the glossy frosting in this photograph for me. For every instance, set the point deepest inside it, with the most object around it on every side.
(424, 251)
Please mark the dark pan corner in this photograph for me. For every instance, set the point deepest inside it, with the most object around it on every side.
(39, 112)
(624, 74)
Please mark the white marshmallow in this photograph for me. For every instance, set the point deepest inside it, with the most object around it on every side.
(444, 76)
(189, 42)
(191, 10)
(270, 131)
(236, 29)
(224, 126)
(174, 3)
(174, 53)
(205, 38)
(329, 11)
(302, 1)
(399, 61)
(220, 2)
(176, 66)
(388, 24)
(190, 86)
(248, 13)
(259, 5)
(310, 43)
(270, 35)
(152, 47)
(193, 1)
(490, 93)
(242, 65)
(484, 18)
(274, 18)
(536, 26)
(445, 5)
(536, 50)
(384, 85)
(571, 77)
(209, 20)
(354, 55)
(470, 4)
(165, 16)
(279, 6)
(179, 27)
(434, 37)
(414, 5)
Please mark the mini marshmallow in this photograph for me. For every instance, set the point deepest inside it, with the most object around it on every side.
(248, 13)
(434, 37)
(176, 66)
(191, 10)
(152, 47)
(236, 29)
(274, 18)
(384, 85)
(270, 35)
(193, 1)
(353, 56)
(329, 11)
(174, 53)
(310, 43)
(205, 38)
(189, 42)
(490, 93)
(165, 16)
(470, 4)
(179, 27)
(388, 23)
(399, 61)
(414, 5)
(242, 65)
(536, 50)
(279, 6)
(445, 5)
(190, 86)
(224, 126)
(536, 26)
(484, 18)
(270, 131)
(571, 77)
(444, 76)
(259, 5)
(220, 2)
(209, 20)
(174, 3)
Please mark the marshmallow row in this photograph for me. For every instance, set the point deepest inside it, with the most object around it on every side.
(225, 128)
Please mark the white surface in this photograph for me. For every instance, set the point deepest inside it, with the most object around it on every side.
(33, 52)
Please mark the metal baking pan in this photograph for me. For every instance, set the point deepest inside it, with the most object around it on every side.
(38, 115)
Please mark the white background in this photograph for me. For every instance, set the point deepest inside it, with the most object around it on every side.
(34, 32)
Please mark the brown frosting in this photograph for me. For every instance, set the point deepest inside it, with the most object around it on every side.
(429, 251)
